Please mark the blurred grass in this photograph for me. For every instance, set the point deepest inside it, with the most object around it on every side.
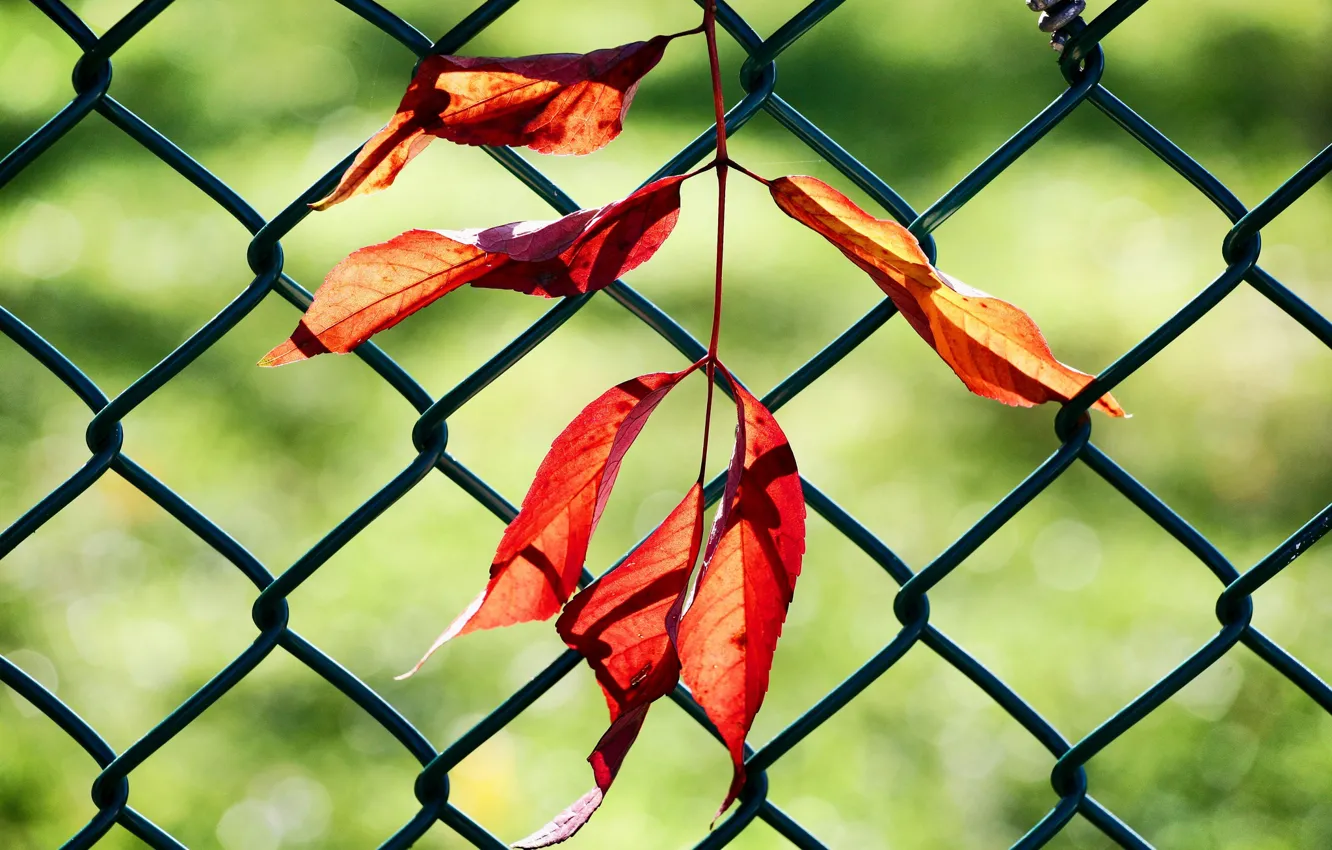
(1079, 603)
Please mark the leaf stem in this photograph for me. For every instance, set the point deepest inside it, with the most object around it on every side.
(721, 243)
(718, 103)
(724, 163)
(695, 31)
(713, 163)
(745, 171)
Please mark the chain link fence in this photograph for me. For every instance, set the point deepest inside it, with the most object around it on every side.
(1081, 63)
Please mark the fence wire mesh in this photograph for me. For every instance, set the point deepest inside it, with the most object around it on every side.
(1081, 63)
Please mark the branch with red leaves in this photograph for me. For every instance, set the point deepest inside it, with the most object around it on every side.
(678, 608)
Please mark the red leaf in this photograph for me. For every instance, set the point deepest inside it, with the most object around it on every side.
(379, 286)
(993, 346)
(618, 623)
(539, 558)
(560, 103)
(729, 633)
(615, 239)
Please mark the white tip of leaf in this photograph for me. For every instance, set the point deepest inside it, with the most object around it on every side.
(565, 824)
(451, 632)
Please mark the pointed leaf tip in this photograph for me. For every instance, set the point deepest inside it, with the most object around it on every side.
(301, 345)
(455, 628)
(565, 824)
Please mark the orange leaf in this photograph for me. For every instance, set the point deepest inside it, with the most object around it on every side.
(379, 286)
(560, 103)
(729, 633)
(993, 346)
(539, 558)
(619, 624)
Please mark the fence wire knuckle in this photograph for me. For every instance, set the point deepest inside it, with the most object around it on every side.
(1082, 65)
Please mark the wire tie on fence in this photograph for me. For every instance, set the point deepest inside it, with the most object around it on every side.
(264, 255)
(92, 76)
(110, 795)
(1056, 16)
(1069, 783)
(431, 788)
(270, 613)
(422, 438)
(1241, 249)
(1071, 419)
(1233, 608)
(102, 434)
(754, 76)
(911, 607)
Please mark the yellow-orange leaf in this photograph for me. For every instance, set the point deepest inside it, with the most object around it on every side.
(993, 346)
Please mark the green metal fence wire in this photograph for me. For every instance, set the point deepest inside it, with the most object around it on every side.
(1081, 63)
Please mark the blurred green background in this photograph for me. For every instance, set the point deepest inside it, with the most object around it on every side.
(1080, 603)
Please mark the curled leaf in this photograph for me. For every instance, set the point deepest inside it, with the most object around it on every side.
(558, 103)
(378, 286)
(993, 346)
(605, 760)
(618, 623)
(613, 240)
(541, 554)
(728, 634)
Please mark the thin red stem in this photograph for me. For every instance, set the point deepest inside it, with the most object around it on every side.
(718, 103)
(695, 31)
(751, 175)
(711, 165)
(709, 372)
(716, 315)
(723, 162)
(721, 243)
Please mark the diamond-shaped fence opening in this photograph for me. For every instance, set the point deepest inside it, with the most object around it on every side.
(1082, 64)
